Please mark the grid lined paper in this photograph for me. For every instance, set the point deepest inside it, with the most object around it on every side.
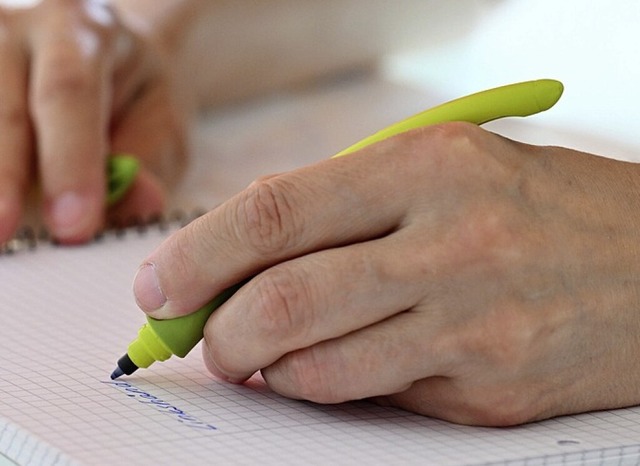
(67, 314)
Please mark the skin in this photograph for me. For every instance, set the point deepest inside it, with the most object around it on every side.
(85, 78)
(447, 271)
(78, 83)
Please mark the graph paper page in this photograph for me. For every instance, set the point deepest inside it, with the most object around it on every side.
(67, 315)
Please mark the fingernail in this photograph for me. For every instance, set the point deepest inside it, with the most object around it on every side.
(146, 289)
(69, 213)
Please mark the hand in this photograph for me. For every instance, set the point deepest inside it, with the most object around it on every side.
(76, 85)
(447, 271)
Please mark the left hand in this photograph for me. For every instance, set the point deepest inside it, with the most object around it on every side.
(79, 83)
(447, 271)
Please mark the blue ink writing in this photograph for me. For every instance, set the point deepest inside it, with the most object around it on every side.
(147, 398)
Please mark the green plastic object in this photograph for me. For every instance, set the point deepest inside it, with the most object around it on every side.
(520, 99)
(159, 339)
(121, 173)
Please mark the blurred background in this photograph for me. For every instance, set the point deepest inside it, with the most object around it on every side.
(593, 47)
(458, 47)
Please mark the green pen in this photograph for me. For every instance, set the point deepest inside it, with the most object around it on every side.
(158, 340)
(121, 172)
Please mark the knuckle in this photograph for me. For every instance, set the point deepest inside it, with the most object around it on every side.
(445, 138)
(514, 336)
(463, 148)
(471, 152)
(493, 234)
(503, 340)
(270, 219)
(489, 238)
(67, 79)
(453, 130)
(449, 152)
(284, 304)
(457, 134)
(264, 178)
(506, 341)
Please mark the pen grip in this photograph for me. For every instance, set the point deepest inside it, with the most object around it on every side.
(181, 334)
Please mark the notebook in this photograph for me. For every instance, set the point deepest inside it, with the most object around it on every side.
(68, 314)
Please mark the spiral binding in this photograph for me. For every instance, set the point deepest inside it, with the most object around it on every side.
(29, 238)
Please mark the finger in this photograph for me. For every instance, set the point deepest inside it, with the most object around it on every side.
(384, 358)
(70, 102)
(307, 300)
(327, 205)
(15, 139)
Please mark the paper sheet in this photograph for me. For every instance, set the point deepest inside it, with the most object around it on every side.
(68, 314)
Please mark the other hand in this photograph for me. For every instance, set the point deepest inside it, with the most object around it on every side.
(77, 84)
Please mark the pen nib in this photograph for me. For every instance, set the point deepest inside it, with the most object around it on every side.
(125, 366)
(117, 373)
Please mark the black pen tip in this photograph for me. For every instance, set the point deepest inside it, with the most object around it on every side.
(125, 366)
(117, 373)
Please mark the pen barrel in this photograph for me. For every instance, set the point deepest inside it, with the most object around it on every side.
(519, 99)
(181, 334)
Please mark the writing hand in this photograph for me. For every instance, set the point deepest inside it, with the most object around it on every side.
(447, 271)
(77, 84)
